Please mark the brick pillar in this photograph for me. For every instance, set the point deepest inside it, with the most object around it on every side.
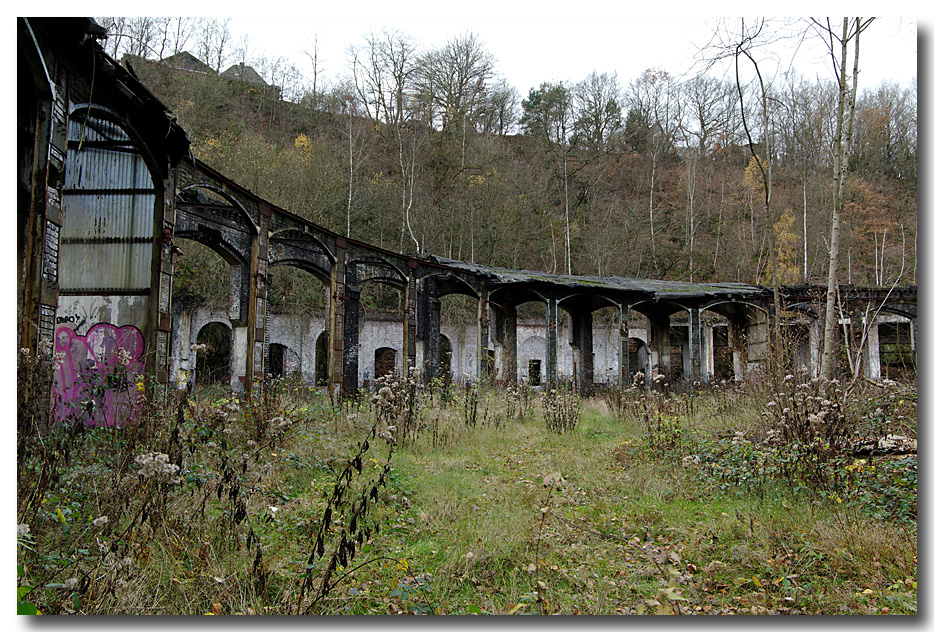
(432, 329)
(409, 322)
(351, 355)
(582, 342)
(336, 321)
(551, 342)
(256, 301)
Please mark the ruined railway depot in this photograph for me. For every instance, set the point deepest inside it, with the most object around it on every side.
(108, 192)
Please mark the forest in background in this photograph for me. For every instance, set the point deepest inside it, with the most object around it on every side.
(432, 151)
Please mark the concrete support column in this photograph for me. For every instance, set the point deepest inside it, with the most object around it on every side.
(484, 368)
(250, 305)
(429, 328)
(306, 352)
(256, 282)
(238, 358)
(238, 299)
(707, 348)
(163, 271)
(694, 344)
(737, 335)
(686, 366)
(434, 337)
(182, 361)
(623, 347)
(873, 358)
(814, 348)
(551, 342)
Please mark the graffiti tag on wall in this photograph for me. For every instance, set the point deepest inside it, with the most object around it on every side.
(96, 374)
(79, 315)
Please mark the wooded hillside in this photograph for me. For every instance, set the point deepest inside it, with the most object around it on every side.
(430, 151)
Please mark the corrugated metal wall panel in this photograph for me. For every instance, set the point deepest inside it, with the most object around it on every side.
(109, 208)
(108, 216)
(106, 266)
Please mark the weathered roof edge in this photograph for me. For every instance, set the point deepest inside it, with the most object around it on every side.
(656, 288)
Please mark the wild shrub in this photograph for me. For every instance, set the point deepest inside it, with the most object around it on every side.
(398, 404)
(616, 399)
(264, 412)
(470, 405)
(355, 526)
(886, 488)
(106, 515)
(518, 401)
(561, 410)
(809, 441)
(809, 413)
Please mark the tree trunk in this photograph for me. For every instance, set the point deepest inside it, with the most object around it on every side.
(846, 104)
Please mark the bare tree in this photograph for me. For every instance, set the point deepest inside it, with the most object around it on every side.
(654, 99)
(116, 27)
(803, 123)
(501, 114)
(213, 38)
(171, 35)
(452, 85)
(745, 43)
(839, 45)
(710, 104)
(131, 36)
(382, 74)
(354, 132)
(147, 37)
(313, 56)
(549, 114)
(599, 110)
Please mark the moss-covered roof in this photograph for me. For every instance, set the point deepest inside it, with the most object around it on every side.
(615, 285)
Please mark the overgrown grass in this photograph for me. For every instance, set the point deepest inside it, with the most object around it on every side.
(660, 503)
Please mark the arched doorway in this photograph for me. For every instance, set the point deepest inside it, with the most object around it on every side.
(283, 362)
(213, 361)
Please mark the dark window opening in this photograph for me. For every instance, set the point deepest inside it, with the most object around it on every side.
(535, 372)
(444, 370)
(385, 362)
(277, 360)
(321, 359)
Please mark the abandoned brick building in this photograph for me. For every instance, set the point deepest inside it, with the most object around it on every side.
(107, 187)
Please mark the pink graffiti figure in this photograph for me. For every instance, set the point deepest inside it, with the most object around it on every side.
(95, 382)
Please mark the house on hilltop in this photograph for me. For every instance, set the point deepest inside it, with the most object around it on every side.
(186, 61)
(242, 72)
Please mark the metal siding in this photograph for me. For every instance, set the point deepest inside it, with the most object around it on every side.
(108, 221)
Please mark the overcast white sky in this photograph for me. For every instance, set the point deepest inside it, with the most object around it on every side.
(547, 45)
